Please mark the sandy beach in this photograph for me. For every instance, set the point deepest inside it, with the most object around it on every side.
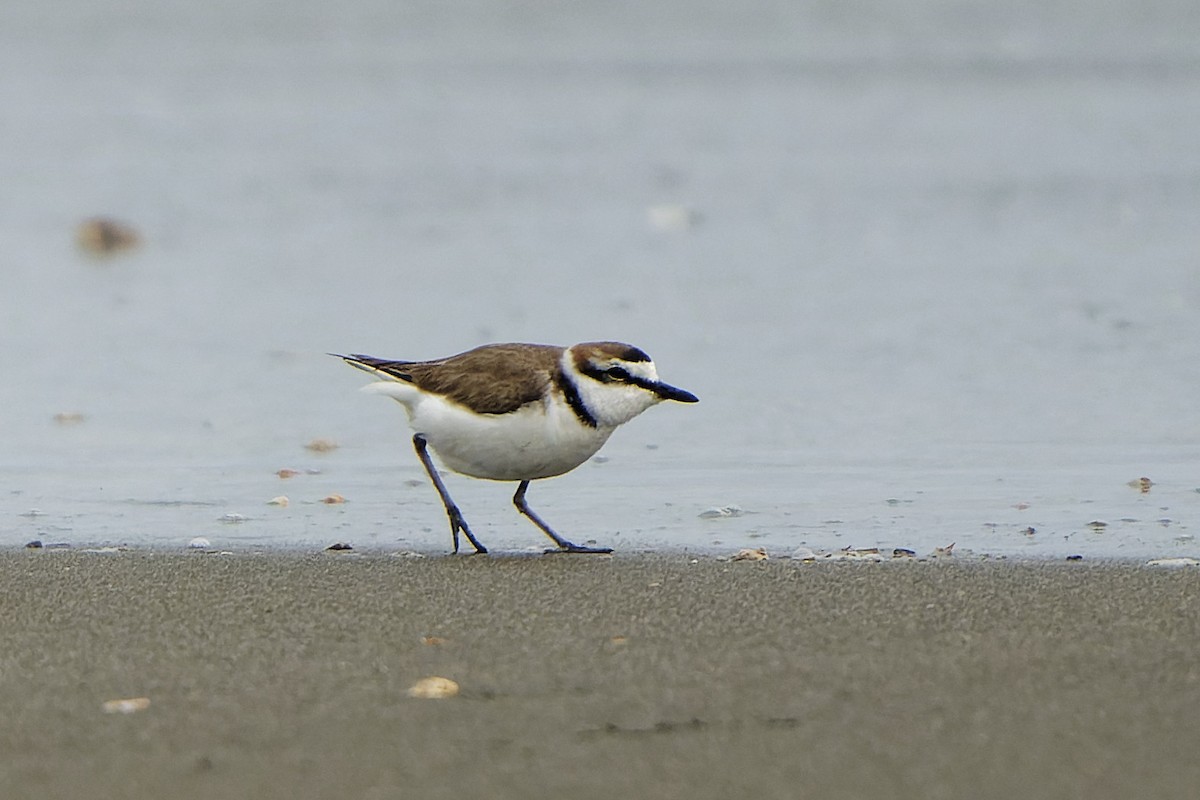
(930, 267)
(287, 676)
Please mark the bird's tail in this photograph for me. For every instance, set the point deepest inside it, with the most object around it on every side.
(392, 381)
(379, 367)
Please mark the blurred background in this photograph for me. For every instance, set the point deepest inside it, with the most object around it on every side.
(933, 268)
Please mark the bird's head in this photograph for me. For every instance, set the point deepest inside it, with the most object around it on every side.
(618, 381)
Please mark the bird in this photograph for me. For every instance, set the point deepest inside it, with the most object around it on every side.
(518, 412)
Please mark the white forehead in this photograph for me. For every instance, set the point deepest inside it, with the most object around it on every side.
(643, 369)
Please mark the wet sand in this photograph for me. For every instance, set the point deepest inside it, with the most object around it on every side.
(285, 676)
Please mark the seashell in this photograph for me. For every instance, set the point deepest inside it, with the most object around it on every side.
(671, 217)
(1141, 484)
(721, 512)
(433, 688)
(407, 554)
(333, 500)
(322, 445)
(281, 500)
(757, 554)
(286, 473)
(855, 554)
(126, 705)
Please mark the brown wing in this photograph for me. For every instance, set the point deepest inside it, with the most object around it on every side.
(492, 379)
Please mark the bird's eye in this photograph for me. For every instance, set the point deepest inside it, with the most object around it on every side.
(617, 374)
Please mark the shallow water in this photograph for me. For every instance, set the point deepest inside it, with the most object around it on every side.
(940, 262)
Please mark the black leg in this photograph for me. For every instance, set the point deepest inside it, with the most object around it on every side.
(457, 523)
(563, 544)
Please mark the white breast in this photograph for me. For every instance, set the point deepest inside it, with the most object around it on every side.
(539, 440)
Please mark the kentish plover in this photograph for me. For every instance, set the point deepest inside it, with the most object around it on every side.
(519, 412)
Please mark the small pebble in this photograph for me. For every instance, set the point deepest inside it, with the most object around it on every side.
(336, 546)
(333, 500)
(69, 418)
(286, 473)
(103, 236)
(322, 445)
(34, 545)
(199, 543)
(281, 500)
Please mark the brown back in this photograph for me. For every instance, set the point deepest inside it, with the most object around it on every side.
(492, 379)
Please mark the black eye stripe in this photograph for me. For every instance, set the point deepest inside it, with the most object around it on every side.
(617, 373)
(641, 383)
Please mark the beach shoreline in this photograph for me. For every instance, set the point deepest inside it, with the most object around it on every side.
(200, 547)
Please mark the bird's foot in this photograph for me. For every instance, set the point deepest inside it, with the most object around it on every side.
(457, 523)
(571, 547)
